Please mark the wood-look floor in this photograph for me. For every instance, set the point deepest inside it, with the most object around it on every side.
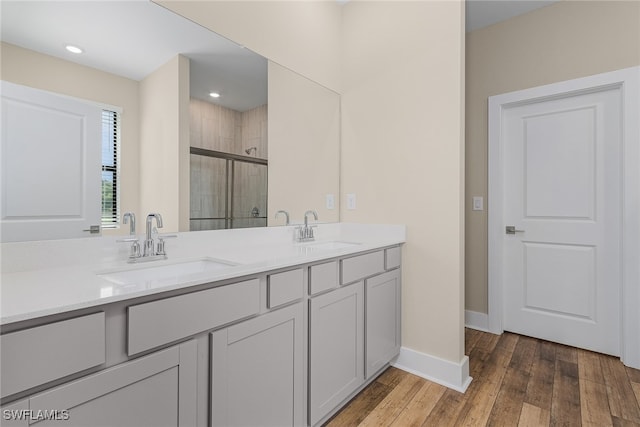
(517, 381)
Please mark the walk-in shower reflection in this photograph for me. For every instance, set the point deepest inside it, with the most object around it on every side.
(227, 191)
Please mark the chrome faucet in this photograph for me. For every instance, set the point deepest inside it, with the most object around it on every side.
(286, 216)
(150, 251)
(149, 247)
(315, 216)
(130, 217)
(305, 234)
(134, 253)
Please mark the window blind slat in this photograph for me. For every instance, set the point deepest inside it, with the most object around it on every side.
(110, 169)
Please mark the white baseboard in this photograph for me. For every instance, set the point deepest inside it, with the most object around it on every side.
(449, 374)
(476, 320)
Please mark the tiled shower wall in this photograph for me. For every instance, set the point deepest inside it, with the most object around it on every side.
(217, 128)
(220, 129)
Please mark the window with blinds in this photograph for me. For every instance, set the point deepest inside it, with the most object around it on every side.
(110, 169)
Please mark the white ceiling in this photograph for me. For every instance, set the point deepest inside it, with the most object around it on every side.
(482, 13)
(132, 39)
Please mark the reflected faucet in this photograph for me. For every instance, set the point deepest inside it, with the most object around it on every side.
(130, 216)
(149, 248)
(306, 221)
(286, 216)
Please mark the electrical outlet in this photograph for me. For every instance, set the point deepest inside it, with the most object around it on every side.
(330, 201)
(351, 201)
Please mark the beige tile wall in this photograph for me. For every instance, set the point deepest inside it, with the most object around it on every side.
(221, 129)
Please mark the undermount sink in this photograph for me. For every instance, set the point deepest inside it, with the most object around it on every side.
(327, 246)
(166, 272)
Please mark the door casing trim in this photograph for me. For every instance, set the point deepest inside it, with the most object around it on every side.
(628, 80)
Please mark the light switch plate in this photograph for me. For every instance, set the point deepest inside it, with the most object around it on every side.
(351, 201)
(330, 201)
(478, 203)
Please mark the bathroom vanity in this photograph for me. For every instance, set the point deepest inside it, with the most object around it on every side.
(237, 327)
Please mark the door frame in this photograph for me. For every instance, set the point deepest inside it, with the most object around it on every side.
(628, 80)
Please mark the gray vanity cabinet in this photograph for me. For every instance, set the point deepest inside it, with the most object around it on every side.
(257, 371)
(154, 390)
(336, 348)
(383, 320)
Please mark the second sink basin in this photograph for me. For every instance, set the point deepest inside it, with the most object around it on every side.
(166, 272)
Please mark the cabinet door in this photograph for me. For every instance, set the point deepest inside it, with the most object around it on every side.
(258, 371)
(336, 348)
(155, 390)
(382, 320)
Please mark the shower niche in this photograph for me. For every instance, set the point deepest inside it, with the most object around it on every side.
(228, 167)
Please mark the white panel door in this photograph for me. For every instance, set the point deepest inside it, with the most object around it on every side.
(562, 193)
(51, 165)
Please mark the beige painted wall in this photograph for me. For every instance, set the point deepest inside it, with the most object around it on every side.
(402, 83)
(164, 144)
(566, 40)
(403, 152)
(304, 153)
(29, 68)
(301, 35)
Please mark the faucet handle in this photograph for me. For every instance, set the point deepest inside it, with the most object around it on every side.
(135, 246)
(161, 247)
(160, 250)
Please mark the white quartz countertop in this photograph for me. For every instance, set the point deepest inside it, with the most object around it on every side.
(49, 277)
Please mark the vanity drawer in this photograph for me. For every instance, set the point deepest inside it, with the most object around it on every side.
(284, 287)
(359, 267)
(161, 322)
(392, 258)
(45, 353)
(323, 277)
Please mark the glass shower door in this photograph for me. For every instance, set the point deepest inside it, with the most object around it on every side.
(227, 191)
(208, 193)
(249, 195)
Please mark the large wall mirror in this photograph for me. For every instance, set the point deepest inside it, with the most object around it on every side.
(245, 133)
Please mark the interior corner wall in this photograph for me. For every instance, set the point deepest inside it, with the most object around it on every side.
(403, 153)
(29, 68)
(164, 137)
(303, 36)
(563, 41)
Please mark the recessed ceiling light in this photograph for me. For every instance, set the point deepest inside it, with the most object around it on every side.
(214, 95)
(73, 49)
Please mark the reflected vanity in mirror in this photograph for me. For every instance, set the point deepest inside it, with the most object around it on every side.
(159, 70)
